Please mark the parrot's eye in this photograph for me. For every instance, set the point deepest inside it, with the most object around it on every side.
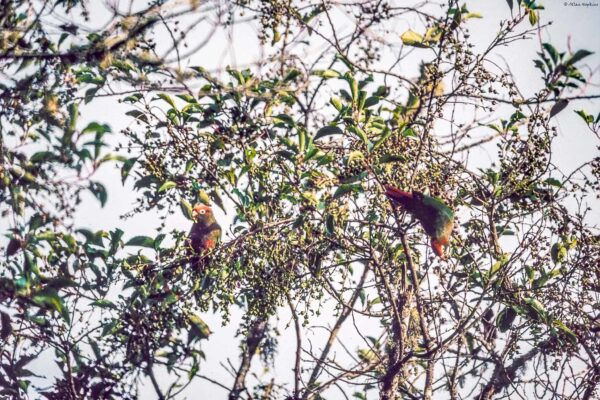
(202, 212)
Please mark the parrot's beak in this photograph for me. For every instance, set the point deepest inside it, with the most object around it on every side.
(438, 249)
(195, 211)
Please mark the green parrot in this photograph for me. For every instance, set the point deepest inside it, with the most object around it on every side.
(434, 215)
(205, 233)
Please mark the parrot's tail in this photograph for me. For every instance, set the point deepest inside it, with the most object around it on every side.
(399, 196)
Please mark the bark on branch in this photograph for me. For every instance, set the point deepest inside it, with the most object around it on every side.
(256, 334)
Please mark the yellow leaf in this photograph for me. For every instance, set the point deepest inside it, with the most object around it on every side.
(411, 38)
(203, 197)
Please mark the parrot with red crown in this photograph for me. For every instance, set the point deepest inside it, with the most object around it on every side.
(434, 215)
(205, 232)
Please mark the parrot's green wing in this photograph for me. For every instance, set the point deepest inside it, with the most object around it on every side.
(441, 217)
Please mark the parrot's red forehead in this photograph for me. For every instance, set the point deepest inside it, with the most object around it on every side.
(201, 209)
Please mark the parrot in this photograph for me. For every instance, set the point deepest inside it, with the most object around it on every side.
(205, 232)
(434, 215)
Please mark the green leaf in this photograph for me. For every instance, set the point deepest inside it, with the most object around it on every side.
(558, 252)
(585, 116)
(186, 208)
(553, 182)
(578, 56)
(540, 65)
(286, 154)
(276, 36)
(371, 101)
(89, 236)
(327, 73)
(73, 114)
(23, 384)
(550, 49)
(517, 116)
(292, 75)
(89, 94)
(337, 103)
(301, 140)
(536, 309)
(391, 158)
(433, 34)
(48, 235)
(505, 319)
(193, 370)
(239, 77)
(89, 78)
(103, 303)
(328, 131)
(198, 328)
(42, 156)
(99, 191)
(330, 224)
(126, 168)
(189, 165)
(70, 242)
(124, 66)
(133, 98)
(216, 198)
(188, 98)
(495, 268)
(283, 120)
(167, 98)
(355, 178)
(362, 98)
(312, 152)
(111, 157)
(344, 189)
(354, 156)
(95, 127)
(48, 297)
(203, 197)
(408, 132)
(166, 186)
(142, 241)
(382, 138)
(110, 327)
(411, 38)
(360, 134)
(382, 91)
(137, 115)
(533, 17)
(566, 330)
(541, 281)
(495, 127)
(353, 83)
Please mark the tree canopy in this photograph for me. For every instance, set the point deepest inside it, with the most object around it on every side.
(296, 149)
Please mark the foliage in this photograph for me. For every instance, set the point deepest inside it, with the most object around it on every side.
(299, 153)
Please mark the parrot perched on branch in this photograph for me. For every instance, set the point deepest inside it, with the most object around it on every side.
(434, 215)
(205, 233)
